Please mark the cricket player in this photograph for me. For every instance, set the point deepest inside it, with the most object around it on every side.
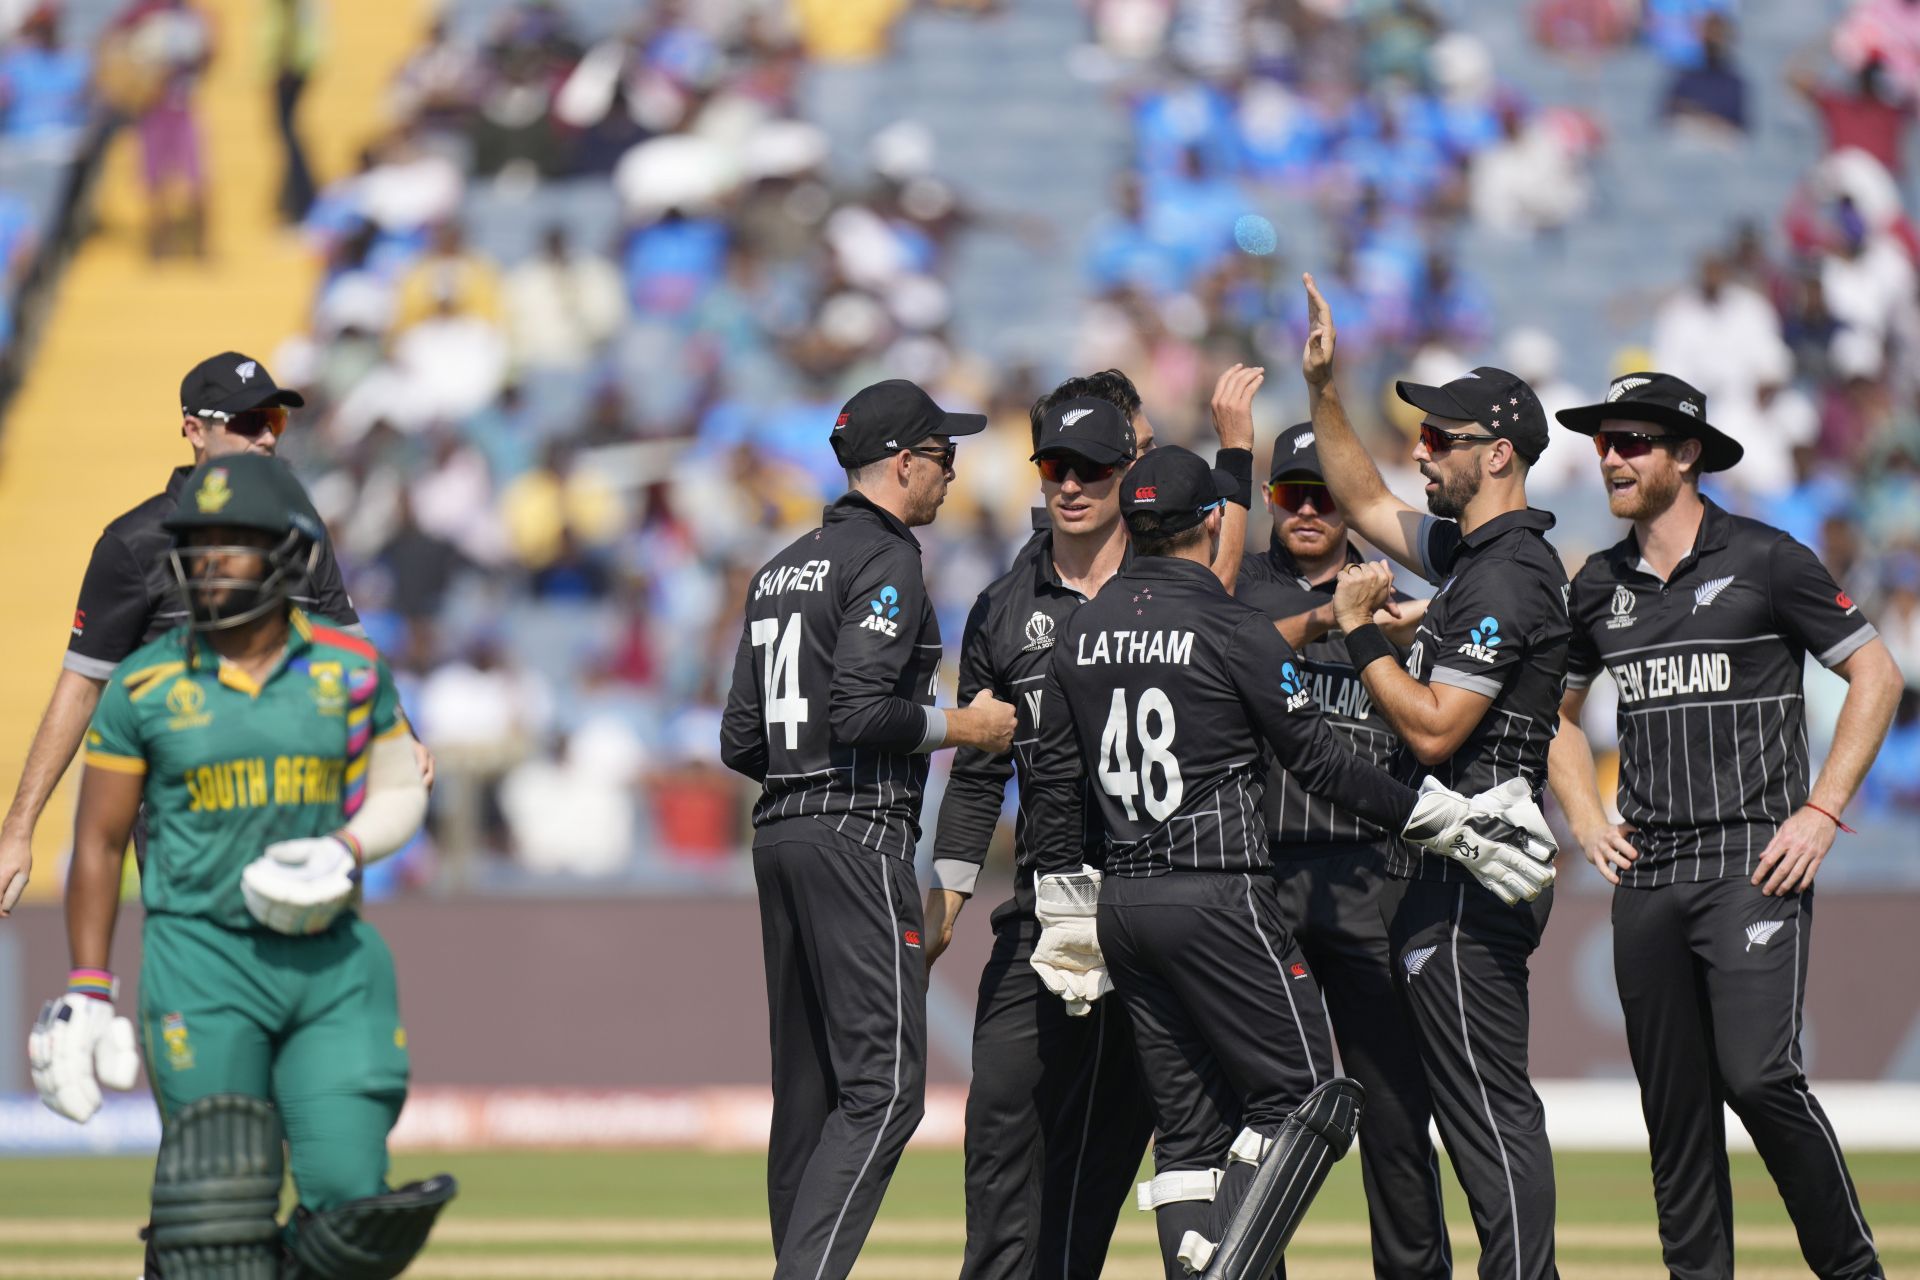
(1170, 695)
(1330, 864)
(229, 404)
(1704, 620)
(831, 711)
(1476, 706)
(271, 757)
(1057, 1118)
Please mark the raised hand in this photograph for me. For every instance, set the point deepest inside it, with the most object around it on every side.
(1232, 405)
(1316, 361)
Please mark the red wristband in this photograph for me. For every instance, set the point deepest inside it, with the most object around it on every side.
(1836, 818)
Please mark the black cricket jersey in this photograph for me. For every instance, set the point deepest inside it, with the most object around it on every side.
(129, 596)
(1299, 823)
(1709, 665)
(833, 681)
(1009, 640)
(1171, 697)
(1497, 626)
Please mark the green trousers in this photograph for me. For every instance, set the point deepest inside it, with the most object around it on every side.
(312, 1025)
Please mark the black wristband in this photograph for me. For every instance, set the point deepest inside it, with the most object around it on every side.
(1237, 463)
(1368, 644)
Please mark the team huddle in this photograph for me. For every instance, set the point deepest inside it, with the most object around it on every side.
(1270, 808)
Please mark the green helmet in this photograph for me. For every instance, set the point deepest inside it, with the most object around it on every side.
(242, 491)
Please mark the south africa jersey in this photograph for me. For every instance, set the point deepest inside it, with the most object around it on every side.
(232, 766)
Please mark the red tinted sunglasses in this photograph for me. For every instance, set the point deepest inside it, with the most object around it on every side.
(1630, 444)
(250, 422)
(1055, 469)
(1440, 443)
(1294, 494)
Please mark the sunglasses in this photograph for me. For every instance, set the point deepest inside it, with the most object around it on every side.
(1440, 443)
(249, 422)
(1630, 444)
(1294, 494)
(943, 456)
(1055, 469)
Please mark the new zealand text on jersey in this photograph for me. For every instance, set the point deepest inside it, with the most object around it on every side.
(1673, 675)
(1125, 645)
(811, 576)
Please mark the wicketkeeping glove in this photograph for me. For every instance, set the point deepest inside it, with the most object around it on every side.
(1499, 835)
(1067, 956)
(299, 886)
(77, 1045)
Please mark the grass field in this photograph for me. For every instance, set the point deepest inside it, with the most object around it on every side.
(696, 1216)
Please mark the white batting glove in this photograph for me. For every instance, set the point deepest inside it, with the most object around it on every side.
(77, 1045)
(298, 886)
(1067, 956)
(1499, 836)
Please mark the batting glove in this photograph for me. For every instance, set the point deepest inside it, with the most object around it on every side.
(1067, 956)
(298, 886)
(1499, 835)
(77, 1045)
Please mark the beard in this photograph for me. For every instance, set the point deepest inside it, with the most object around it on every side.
(1651, 494)
(1453, 492)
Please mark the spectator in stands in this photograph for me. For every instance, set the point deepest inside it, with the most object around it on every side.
(1709, 100)
(562, 306)
(43, 87)
(421, 566)
(450, 279)
(1526, 183)
(169, 45)
(845, 30)
(438, 87)
(1863, 114)
(1720, 336)
(293, 47)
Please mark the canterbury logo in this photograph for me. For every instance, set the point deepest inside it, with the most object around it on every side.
(1069, 418)
(1706, 592)
(1759, 935)
(1416, 960)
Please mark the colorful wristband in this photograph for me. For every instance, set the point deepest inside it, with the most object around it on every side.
(1369, 644)
(1836, 818)
(1237, 463)
(97, 983)
(354, 846)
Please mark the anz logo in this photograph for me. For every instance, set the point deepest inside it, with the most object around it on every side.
(1483, 642)
(1294, 685)
(886, 607)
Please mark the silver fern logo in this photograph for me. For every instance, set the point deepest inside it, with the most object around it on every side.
(1416, 960)
(1707, 592)
(1761, 933)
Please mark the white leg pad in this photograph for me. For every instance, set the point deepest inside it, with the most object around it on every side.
(1249, 1148)
(1196, 1251)
(1180, 1184)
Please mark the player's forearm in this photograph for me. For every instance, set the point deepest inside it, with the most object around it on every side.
(396, 802)
(1352, 478)
(1302, 629)
(1873, 693)
(884, 722)
(1233, 544)
(93, 900)
(969, 813)
(1411, 710)
(61, 728)
(1570, 773)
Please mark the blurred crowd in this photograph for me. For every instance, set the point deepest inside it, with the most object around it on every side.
(588, 307)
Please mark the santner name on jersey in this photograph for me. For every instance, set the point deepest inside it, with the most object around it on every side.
(1134, 646)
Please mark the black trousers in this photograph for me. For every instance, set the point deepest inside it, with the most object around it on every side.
(1711, 977)
(847, 1007)
(1227, 1021)
(1331, 902)
(1057, 1122)
(1461, 958)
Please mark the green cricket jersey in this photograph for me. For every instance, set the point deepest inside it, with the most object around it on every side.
(231, 766)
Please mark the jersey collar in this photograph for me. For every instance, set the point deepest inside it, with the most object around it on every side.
(1509, 522)
(853, 505)
(1715, 531)
(1172, 569)
(201, 655)
(1286, 566)
(1046, 576)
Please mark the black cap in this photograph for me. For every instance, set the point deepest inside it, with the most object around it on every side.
(246, 491)
(890, 416)
(1501, 402)
(1174, 487)
(1091, 428)
(1661, 398)
(232, 383)
(1294, 454)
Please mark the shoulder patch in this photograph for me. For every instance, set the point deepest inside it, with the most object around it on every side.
(139, 684)
(344, 640)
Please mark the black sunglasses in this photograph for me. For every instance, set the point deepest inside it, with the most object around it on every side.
(1630, 444)
(249, 422)
(944, 456)
(1440, 443)
(1056, 467)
